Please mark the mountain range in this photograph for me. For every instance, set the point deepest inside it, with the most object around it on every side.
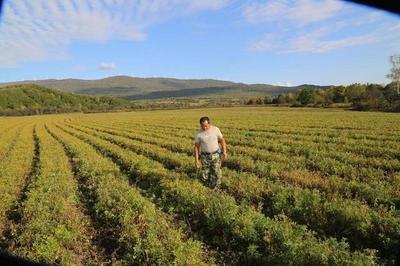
(134, 88)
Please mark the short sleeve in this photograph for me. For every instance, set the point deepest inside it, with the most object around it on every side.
(197, 138)
(218, 132)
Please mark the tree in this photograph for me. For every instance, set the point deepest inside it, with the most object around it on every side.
(390, 92)
(267, 99)
(319, 97)
(259, 100)
(395, 71)
(306, 96)
(354, 91)
(251, 101)
(290, 97)
(281, 99)
(338, 94)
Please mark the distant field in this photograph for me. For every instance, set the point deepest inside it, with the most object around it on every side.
(300, 186)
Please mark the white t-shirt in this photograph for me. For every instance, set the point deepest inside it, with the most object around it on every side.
(208, 139)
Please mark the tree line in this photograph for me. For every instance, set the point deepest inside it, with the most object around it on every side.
(362, 97)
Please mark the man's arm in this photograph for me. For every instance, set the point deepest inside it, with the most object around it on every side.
(197, 154)
(223, 144)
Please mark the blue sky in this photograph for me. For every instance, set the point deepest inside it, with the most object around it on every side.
(280, 42)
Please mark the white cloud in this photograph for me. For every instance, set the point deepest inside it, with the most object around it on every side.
(265, 44)
(310, 26)
(284, 84)
(325, 39)
(107, 66)
(300, 11)
(313, 42)
(41, 29)
(208, 4)
(317, 41)
(395, 27)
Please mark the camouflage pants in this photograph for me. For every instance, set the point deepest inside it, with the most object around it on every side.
(211, 172)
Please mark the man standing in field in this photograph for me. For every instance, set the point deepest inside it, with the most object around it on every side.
(207, 153)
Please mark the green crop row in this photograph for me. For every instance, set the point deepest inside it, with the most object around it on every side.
(381, 158)
(8, 138)
(144, 234)
(254, 237)
(345, 138)
(293, 129)
(334, 216)
(272, 165)
(52, 227)
(375, 166)
(361, 147)
(14, 171)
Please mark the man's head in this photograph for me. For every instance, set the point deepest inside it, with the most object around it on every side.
(205, 122)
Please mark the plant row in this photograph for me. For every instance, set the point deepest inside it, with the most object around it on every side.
(53, 228)
(362, 226)
(253, 237)
(142, 234)
(15, 170)
(273, 166)
(8, 138)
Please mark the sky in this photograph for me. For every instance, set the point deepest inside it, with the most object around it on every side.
(280, 42)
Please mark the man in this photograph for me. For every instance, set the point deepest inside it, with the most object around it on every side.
(207, 153)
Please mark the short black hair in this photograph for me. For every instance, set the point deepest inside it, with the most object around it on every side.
(203, 119)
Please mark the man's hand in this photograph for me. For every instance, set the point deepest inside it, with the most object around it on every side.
(197, 164)
(224, 151)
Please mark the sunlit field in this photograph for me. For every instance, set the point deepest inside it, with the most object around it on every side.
(300, 186)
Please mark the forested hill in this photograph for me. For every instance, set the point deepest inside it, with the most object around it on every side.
(134, 88)
(31, 99)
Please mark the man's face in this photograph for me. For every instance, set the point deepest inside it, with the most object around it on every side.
(205, 125)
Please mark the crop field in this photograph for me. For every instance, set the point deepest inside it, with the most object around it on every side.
(300, 186)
